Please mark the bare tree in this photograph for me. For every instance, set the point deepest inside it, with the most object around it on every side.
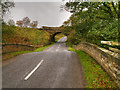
(26, 22)
(5, 7)
(11, 22)
(20, 23)
(34, 24)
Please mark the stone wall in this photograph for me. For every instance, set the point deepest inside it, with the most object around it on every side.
(110, 63)
(16, 47)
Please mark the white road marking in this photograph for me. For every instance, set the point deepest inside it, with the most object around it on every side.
(28, 76)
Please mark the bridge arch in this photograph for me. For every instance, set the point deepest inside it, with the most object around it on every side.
(53, 36)
(53, 32)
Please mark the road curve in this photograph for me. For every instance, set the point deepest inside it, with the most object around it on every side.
(55, 67)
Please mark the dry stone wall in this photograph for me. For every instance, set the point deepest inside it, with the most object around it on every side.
(16, 47)
(108, 62)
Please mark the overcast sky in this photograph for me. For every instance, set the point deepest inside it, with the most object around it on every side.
(46, 13)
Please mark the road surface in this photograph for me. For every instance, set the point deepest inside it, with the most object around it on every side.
(55, 67)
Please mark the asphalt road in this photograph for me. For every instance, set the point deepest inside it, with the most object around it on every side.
(55, 67)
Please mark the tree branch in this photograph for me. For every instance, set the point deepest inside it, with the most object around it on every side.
(101, 17)
(109, 9)
(114, 8)
(119, 10)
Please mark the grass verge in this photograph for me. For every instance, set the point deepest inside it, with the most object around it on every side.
(12, 54)
(41, 48)
(95, 76)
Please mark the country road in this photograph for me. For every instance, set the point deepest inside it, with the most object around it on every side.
(55, 67)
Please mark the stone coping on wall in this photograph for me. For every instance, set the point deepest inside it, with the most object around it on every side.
(110, 63)
(110, 43)
(114, 54)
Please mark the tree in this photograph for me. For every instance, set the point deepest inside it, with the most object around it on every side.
(34, 24)
(11, 22)
(94, 20)
(26, 22)
(5, 7)
(20, 23)
(118, 21)
(109, 8)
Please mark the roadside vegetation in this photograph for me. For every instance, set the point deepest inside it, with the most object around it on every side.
(42, 48)
(24, 35)
(92, 22)
(25, 32)
(95, 76)
(9, 55)
(27, 36)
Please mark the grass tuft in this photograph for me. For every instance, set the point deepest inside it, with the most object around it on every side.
(6, 56)
(71, 49)
(41, 48)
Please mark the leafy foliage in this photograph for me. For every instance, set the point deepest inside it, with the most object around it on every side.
(93, 21)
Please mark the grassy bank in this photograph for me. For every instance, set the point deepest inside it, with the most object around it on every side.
(95, 76)
(6, 56)
(13, 54)
(22, 35)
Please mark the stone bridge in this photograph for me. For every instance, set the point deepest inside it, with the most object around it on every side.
(52, 30)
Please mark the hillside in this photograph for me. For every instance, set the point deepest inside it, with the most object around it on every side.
(29, 36)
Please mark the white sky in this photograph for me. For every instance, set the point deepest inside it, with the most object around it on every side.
(46, 13)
